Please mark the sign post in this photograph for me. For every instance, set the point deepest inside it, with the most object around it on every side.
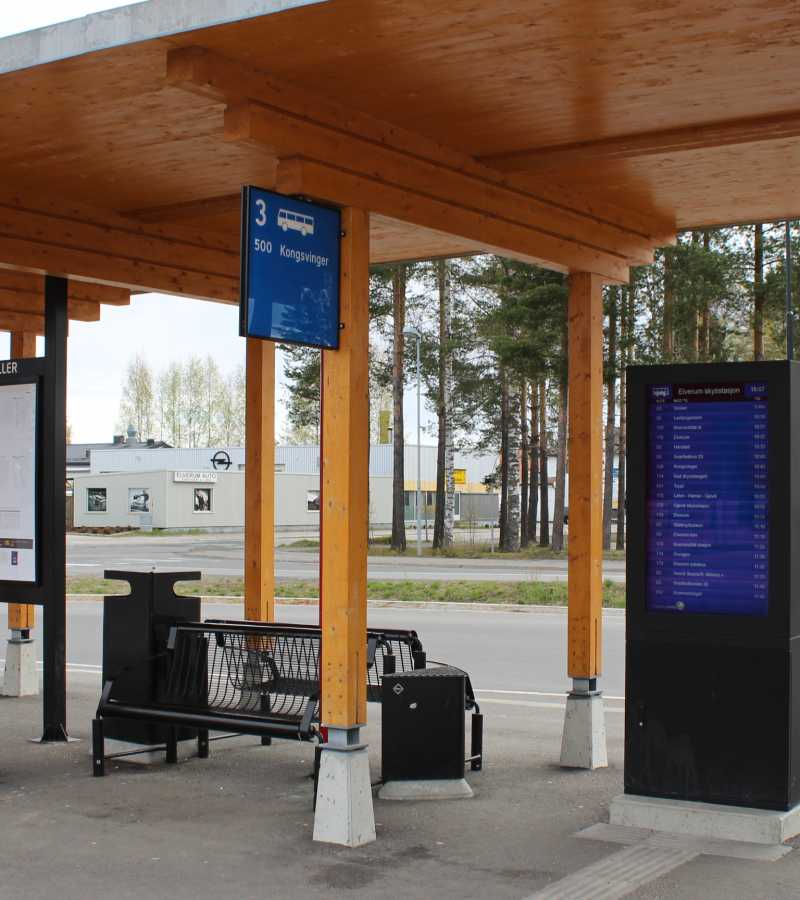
(33, 506)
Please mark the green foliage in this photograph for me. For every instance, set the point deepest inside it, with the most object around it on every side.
(519, 593)
(186, 404)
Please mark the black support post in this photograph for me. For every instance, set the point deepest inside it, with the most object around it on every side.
(789, 302)
(53, 510)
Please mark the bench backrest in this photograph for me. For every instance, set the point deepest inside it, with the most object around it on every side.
(243, 668)
(403, 646)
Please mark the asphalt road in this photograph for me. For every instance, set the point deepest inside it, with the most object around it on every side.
(504, 652)
(222, 555)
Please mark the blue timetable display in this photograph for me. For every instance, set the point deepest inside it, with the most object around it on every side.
(290, 270)
(707, 513)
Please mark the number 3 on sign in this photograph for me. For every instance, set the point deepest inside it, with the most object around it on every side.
(261, 218)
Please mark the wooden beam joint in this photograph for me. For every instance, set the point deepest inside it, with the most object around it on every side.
(442, 188)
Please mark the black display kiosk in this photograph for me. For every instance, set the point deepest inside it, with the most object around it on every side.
(713, 570)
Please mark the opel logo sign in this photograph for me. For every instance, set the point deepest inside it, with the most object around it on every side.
(221, 460)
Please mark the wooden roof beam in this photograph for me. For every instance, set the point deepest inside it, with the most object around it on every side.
(282, 135)
(191, 209)
(21, 322)
(86, 244)
(16, 302)
(651, 143)
(31, 288)
(314, 179)
(299, 122)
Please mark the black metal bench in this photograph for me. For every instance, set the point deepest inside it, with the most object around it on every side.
(248, 678)
(395, 650)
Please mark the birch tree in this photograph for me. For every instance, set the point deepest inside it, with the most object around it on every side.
(170, 393)
(232, 409)
(524, 529)
(193, 401)
(561, 371)
(137, 405)
(511, 534)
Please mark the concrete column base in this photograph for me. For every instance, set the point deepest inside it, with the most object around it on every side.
(706, 820)
(344, 813)
(439, 789)
(583, 744)
(21, 678)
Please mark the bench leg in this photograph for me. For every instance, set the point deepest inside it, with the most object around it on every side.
(317, 761)
(266, 740)
(202, 743)
(172, 744)
(98, 749)
(477, 742)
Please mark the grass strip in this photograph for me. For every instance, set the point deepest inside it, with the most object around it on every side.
(522, 593)
(478, 550)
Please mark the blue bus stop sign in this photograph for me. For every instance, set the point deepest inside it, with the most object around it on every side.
(290, 270)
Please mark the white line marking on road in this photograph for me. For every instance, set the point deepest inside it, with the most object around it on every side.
(93, 669)
(533, 704)
(537, 693)
(71, 666)
(151, 560)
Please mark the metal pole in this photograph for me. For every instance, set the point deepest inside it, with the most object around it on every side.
(54, 510)
(789, 305)
(419, 454)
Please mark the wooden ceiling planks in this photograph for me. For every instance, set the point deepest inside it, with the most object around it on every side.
(41, 235)
(558, 71)
(484, 80)
(733, 184)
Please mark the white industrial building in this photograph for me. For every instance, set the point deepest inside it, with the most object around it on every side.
(161, 487)
(204, 488)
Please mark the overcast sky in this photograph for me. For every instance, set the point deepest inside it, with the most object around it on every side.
(160, 327)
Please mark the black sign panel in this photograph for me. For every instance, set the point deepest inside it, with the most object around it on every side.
(20, 468)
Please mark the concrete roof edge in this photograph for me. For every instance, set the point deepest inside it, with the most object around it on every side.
(128, 25)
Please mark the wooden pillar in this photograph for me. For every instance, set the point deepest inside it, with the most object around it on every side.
(22, 616)
(345, 486)
(259, 508)
(585, 475)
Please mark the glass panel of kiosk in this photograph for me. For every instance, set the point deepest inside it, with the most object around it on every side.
(707, 510)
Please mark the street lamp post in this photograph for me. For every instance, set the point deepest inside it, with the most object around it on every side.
(413, 333)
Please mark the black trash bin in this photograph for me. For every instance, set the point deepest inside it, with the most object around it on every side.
(135, 634)
(423, 727)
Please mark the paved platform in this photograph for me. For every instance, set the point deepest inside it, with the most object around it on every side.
(239, 824)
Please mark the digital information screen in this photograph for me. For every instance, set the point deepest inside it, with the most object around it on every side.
(707, 509)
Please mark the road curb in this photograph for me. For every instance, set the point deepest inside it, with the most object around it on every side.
(396, 604)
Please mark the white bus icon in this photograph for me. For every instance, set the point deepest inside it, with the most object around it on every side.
(296, 221)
